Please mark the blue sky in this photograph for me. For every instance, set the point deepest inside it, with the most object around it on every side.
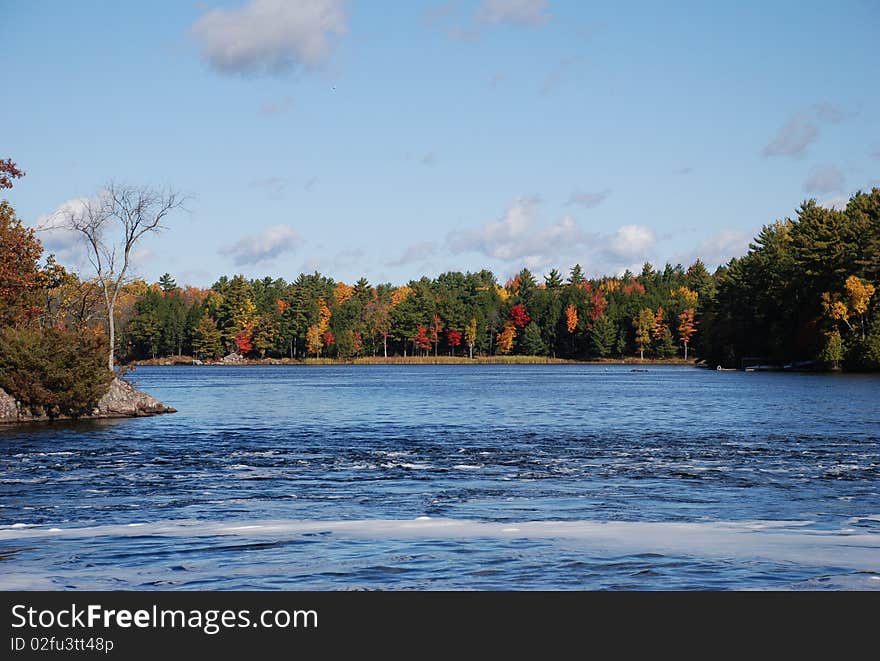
(393, 139)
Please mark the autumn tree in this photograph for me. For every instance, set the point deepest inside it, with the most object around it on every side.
(243, 342)
(659, 326)
(435, 330)
(686, 328)
(571, 318)
(8, 172)
(328, 338)
(470, 336)
(453, 339)
(313, 340)
(519, 316)
(421, 339)
(644, 324)
(21, 278)
(506, 337)
(112, 223)
(859, 293)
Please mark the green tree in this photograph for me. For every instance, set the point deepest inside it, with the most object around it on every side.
(602, 336)
(207, 340)
(833, 351)
(621, 342)
(532, 343)
(54, 372)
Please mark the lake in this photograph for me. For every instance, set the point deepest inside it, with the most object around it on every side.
(496, 477)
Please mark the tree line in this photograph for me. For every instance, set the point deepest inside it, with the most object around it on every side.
(804, 292)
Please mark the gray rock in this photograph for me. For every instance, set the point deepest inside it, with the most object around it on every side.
(122, 400)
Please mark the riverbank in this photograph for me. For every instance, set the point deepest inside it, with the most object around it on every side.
(122, 400)
(415, 360)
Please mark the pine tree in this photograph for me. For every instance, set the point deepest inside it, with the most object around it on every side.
(532, 343)
(207, 342)
(602, 336)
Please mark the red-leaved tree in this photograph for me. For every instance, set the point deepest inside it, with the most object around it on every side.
(519, 316)
(243, 342)
(453, 337)
(421, 339)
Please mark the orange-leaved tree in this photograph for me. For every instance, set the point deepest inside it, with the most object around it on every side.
(506, 337)
(571, 318)
(686, 328)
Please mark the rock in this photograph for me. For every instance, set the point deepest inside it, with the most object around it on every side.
(122, 400)
(8, 406)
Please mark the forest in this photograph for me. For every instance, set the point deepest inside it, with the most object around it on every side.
(802, 295)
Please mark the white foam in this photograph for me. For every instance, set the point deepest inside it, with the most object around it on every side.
(778, 541)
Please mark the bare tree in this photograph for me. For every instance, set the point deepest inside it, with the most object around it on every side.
(111, 224)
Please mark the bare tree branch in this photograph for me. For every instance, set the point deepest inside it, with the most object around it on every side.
(111, 224)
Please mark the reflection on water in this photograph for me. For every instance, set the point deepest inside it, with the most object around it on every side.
(494, 445)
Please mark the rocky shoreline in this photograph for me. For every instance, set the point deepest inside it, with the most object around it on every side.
(122, 400)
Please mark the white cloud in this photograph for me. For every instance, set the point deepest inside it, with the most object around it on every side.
(268, 244)
(523, 12)
(824, 179)
(722, 246)
(517, 238)
(588, 200)
(509, 237)
(270, 35)
(66, 244)
(793, 138)
(632, 242)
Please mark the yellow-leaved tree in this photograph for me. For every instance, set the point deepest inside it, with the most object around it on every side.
(644, 324)
(470, 336)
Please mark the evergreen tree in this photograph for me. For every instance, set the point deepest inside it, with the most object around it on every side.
(602, 336)
(532, 343)
(207, 341)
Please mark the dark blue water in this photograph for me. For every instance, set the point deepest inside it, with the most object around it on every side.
(448, 477)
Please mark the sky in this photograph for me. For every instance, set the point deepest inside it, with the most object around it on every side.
(394, 139)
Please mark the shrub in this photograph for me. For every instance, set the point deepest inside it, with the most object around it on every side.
(53, 371)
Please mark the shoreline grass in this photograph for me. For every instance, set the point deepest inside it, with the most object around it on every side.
(420, 360)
